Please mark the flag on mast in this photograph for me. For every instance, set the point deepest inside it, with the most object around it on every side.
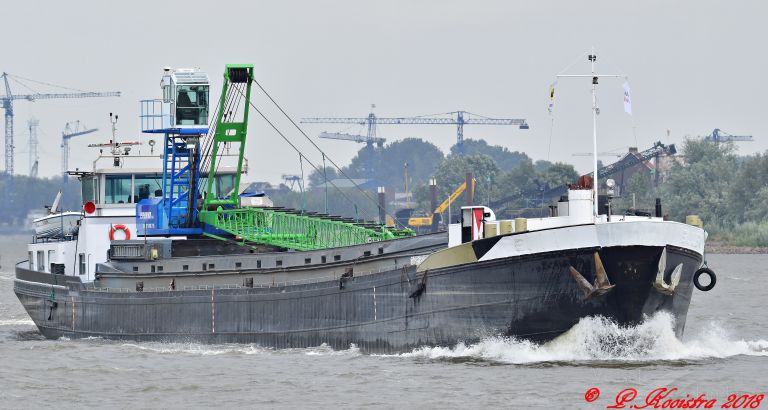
(551, 107)
(627, 99)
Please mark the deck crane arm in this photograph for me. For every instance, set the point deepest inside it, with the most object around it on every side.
(229, 129)
(285, 228)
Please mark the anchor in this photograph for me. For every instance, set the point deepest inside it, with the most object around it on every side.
(601, 286)
(420, 288)
(348, 274)
(660, 284)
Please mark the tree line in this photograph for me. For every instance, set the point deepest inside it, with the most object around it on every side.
(728, 191)
(22, 194)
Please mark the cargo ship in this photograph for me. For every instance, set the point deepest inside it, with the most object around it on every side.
(196, 263)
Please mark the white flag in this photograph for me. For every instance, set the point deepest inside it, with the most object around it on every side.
(551, 107)
(627, 99)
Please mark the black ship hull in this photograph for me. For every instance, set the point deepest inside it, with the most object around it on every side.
(530, 296)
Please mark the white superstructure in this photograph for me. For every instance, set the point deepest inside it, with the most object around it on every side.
(109, 198)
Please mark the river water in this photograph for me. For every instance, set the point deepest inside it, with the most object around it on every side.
(724, 351)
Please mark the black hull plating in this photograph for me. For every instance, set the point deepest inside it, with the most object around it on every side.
(531, 297)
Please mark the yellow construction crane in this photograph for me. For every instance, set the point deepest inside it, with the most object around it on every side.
(417, 222)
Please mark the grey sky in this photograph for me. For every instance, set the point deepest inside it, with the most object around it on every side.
(692, 65)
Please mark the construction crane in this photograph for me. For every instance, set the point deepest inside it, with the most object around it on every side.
(718, 136)
(34, 159)
(293, 180)
(599, 154)
(8, 98)
(71, 131)
(458, 118)
(423, 221)
(545, 193)
(368, 140)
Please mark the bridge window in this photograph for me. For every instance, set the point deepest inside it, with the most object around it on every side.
(41, 261)
(117, 189)
(192, 105)
(90, 189)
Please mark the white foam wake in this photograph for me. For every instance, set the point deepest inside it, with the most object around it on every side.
(197, 349)
(600, 339)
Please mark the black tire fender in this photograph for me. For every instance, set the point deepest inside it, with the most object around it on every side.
(712, 279)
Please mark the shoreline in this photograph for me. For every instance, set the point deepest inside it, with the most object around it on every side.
(721, 248)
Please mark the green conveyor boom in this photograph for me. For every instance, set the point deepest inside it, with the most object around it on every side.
(270, 226)
(288, 229)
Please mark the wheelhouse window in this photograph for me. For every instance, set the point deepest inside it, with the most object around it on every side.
(147, 186)
(89, 186)
(117, 189)
(192, 105)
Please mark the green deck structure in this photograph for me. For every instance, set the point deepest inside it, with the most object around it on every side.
(271, 226)
(289, 229)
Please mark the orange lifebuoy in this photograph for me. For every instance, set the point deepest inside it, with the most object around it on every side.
(119, 227)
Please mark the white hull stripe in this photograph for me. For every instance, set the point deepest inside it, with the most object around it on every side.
(624, 233)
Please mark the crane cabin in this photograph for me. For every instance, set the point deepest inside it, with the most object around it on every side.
(184, 107)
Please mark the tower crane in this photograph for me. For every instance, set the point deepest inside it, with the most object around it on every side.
(34, 159)
(368, 140)
(71, 130)
(718, 136)
(7, 101)
(458, 118)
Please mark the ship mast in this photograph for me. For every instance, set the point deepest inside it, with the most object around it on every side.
(592, 57)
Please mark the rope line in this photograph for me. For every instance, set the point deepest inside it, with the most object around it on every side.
(341, 171)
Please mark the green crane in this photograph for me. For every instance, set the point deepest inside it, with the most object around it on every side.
(269, 226)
